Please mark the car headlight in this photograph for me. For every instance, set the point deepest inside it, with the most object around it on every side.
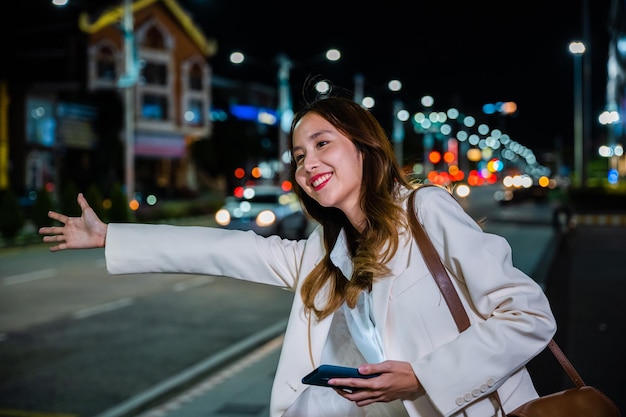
(222, 217)
(265, 218)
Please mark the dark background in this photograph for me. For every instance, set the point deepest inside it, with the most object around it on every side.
(465, 54)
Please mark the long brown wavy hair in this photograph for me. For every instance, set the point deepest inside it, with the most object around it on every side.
(382, 182)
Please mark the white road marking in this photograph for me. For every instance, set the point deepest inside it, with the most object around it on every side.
(215, 380)
(193, 283)
(30, 276)
(103, 308)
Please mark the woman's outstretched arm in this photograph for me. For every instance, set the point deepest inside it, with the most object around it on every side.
(84, 232)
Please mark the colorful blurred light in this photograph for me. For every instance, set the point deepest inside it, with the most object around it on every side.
(286, 186)
(434, 157)
(134, 205)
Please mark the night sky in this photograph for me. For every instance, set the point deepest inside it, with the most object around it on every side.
(463, 53)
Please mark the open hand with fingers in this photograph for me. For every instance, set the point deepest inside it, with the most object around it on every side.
(84, 232)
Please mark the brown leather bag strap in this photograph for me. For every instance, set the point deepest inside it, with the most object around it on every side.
(439, 273)
(437, 270)
(566, 364)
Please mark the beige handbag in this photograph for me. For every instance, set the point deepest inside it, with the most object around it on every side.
(581, 401)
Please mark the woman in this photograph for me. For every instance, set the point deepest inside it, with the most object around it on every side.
(364, 296)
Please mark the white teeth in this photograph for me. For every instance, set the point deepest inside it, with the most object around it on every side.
(320, 180)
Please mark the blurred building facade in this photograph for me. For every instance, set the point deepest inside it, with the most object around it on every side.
(63, 97)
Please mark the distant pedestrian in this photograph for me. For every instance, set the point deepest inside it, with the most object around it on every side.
(363, 294)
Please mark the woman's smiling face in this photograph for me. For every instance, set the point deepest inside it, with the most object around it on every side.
(329, 166)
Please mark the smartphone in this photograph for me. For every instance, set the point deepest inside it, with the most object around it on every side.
(323, 373)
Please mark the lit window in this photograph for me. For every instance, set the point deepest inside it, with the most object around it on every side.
(105, 64)
(193, 116)
(154, 107)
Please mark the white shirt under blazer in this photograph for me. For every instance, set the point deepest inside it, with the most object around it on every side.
(511, 319)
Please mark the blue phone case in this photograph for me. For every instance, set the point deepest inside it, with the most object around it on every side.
(323, 373)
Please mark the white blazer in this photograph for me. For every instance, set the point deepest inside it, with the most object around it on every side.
(510, 315)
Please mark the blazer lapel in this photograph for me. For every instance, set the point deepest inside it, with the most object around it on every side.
(383, 286)
(341, 258)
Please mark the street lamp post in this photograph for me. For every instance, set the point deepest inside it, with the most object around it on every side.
(400, 115)
(127, 81)
(577, 49)
(359, 81)
(429, 137)
(285, 113)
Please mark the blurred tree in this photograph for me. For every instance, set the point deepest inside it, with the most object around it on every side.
(69, 205)
(94, 198)
(42, 205)
(109, 155)
(11, 217)
(119, 211)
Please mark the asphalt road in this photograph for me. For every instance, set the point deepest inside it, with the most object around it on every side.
(586, 286)
(76, 341)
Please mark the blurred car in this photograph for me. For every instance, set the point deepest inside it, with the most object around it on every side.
(512, 195)
(265, 209)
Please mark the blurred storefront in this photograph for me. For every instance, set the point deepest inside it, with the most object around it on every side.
(64, 103)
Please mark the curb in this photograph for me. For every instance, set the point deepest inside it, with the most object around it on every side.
(142, 401)
(599, 219)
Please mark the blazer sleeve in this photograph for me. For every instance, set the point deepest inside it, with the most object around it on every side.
(142, 248)
(511, 319)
